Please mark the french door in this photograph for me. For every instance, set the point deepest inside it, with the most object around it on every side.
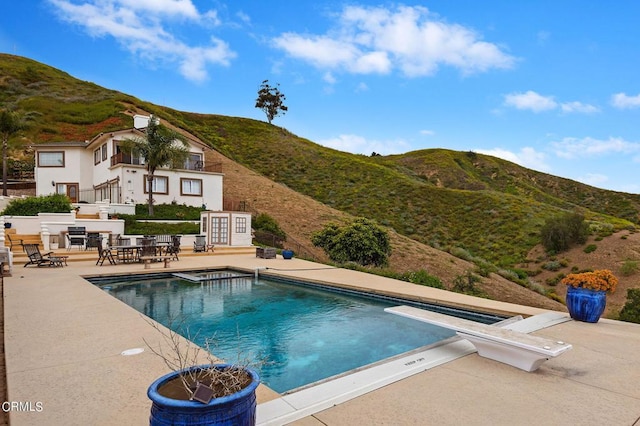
(219, 232)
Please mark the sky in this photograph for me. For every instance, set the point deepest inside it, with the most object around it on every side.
(550, 85)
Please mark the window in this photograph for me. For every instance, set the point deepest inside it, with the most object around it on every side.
(96, 156)
(241, 225)
(160, 184)
(51, 159)
(104, 152)
(191, 187)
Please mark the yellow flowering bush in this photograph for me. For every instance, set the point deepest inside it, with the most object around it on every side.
(598, 280)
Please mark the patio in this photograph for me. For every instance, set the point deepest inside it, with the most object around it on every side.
(64, 339)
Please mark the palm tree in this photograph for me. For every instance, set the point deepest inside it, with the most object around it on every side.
(10, 124)
(161, 147)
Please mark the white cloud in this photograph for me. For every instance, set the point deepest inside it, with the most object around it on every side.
(362, 87)
(624, 101)
(370, 40)
(571, 148)
(530, 100)
(579, 107)
(427, 132)
(140, 27)
(157, 7)
(360, 145)
(526, 157)
(536, 102)
(329, 78)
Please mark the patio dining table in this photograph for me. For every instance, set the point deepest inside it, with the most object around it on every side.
(131, 253)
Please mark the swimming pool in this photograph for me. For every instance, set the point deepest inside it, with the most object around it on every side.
(306, 333)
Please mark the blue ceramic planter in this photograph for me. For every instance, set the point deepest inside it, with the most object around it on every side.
(287, 254)
(238, 409)
(585, 304)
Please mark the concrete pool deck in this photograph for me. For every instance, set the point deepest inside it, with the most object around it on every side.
(64, 338)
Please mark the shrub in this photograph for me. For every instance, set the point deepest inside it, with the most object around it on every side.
(422, 277)
(629, 267)
(363, 241)
(132, 226)
(560, 232)
(264, 222)
(631, 310)
(169, 212)
(553, 281)
(467, 284)
(553, 265)
(590, 248)
(31, 206)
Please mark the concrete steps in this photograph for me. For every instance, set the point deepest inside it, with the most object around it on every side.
(26, 238)
(87, 216)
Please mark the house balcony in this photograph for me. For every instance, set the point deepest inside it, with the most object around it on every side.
(200, 166)
(122, 158)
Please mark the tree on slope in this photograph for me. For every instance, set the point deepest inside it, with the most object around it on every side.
(161, 147)
(271, 100)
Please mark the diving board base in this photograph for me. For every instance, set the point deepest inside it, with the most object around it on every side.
(516, 357)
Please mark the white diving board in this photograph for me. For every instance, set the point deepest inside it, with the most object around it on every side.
(509, 346)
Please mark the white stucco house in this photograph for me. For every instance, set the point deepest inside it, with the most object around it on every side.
(97, 171)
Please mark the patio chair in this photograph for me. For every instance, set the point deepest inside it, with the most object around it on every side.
(76, 236)
(149, 247)
(174, 248)
(200, 244)
(94, 240)
(113, 239)
(105, 254)
(121, 241)
(39, 259)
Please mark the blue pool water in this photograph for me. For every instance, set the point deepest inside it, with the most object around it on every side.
(305, 334)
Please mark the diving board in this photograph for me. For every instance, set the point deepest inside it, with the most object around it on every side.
(509, 346)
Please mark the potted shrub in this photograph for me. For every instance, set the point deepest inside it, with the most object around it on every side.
(53, 242)
(212, 393)
(587, 293)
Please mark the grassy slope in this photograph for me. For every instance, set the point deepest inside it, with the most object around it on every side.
(443, 198)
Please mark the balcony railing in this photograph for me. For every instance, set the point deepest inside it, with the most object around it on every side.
(201, 166)
(122, 158)
(113, 194)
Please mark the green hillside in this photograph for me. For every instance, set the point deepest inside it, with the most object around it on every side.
(490, 207)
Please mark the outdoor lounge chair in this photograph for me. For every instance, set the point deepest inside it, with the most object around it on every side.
(14, 242)
(105, 254)
(39, 259)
